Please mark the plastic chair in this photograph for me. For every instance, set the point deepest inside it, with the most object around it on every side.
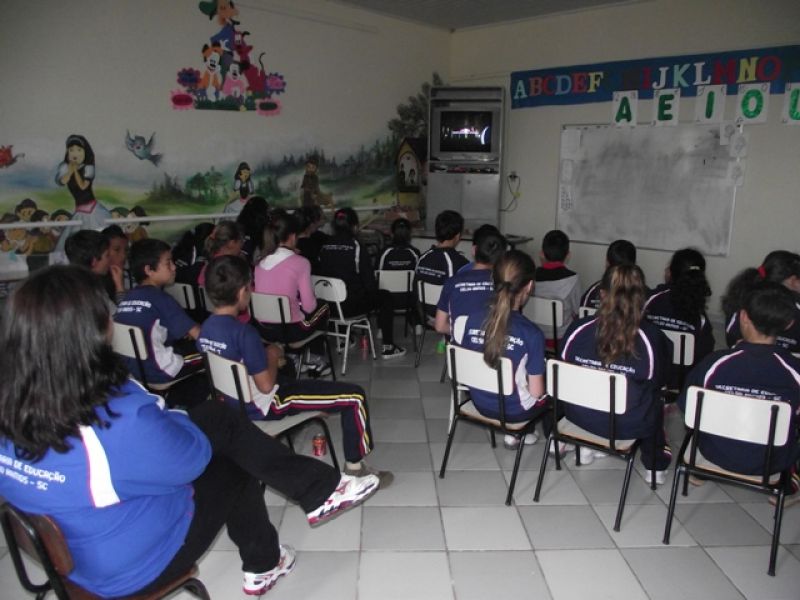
(753, 420)
(128, 341)
(682, 358)
(468, 370)
(399, 282)
(231, 378)
(428, 294)
(183, 294)
(598, 390)
(586, 311)
(334, 291)
(272, 308)
(548, 313)
(40, 537)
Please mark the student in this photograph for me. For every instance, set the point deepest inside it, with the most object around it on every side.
(779, 266)
(343, 257)
(500, 330)
(283, 272)
(679, 304)
(484, 229)
(171, 360)
(469, 291)
(758, 368)
(555, 281)
(141, 491)
(443, 260)
(117, 249)
(311, 238)
(618, 339)
(400, 255)
(90, 249)
(620, 252)
(252, 221)
(226, 239)
(188, 253)
(228, 286)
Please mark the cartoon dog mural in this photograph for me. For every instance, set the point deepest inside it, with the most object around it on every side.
(211, 81)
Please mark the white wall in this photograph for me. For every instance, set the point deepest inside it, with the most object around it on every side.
(99, 68)
(767, 213)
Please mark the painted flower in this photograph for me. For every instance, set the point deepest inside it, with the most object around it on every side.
(181, 100)
(275, 84)
(189, 78)
(268, 107)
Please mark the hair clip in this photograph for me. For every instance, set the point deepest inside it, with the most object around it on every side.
(695, 268)
(762, 272)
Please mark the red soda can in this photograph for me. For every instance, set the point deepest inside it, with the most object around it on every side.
(319, 445)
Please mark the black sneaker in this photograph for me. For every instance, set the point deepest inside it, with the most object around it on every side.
(392, 351)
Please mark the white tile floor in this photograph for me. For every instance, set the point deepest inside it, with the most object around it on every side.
(427, 538)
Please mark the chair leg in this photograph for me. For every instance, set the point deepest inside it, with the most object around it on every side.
(673, 496)
(346, 348)
(624, 494)
(450, 437)
(542, 468)
(776, 532)
(513, 482)
(419, 349)
(332, 365)
(492, 438)
(444, 371)
(371, 340)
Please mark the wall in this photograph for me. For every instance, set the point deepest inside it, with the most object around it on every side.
(767, 210)
(101, 68)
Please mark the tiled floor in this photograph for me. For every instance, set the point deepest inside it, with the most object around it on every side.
(427, 538)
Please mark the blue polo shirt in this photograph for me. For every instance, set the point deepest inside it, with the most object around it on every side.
(757, 370)
(525, 348)
(660, 310)
(466, 292)
(163, 322)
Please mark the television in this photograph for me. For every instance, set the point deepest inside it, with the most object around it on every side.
(465, 133)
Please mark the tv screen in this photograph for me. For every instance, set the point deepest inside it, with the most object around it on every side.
(465, 131)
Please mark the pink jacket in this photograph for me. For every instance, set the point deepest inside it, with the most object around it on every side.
(285, 273)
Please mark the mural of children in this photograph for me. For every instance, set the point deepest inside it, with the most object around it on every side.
(312, 195)
(16, 240)
(44, 240)
(138, 230)
(77, 173)
(243, 185)
(59, 215)
(25, 209)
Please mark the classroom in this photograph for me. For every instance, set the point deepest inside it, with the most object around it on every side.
(118, 71)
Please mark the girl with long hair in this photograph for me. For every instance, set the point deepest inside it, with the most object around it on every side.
(284, 272)
(779, 266)
(679, 304)
(618, 339)
(252, 221)
(501, 330)
(139, 491)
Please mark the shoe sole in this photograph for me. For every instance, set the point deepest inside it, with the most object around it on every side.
(261, 591)
(391, 356)
(345, 506)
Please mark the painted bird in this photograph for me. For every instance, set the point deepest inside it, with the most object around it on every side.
(142, 150)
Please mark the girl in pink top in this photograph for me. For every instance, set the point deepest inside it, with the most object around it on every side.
(283, 272)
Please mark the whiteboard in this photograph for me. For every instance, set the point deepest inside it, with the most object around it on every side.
(663, 188)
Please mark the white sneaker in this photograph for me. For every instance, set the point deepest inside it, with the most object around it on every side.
(418, 329)
(350, 492)
(391, 351)
(661, 477)
(587, 456)
(563, 448)
(256, 584)
(511, 443)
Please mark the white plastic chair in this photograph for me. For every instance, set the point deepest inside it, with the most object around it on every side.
(428, 294)
(682, 357)
(548, 313)
(128, 341)
(183, 294)
(740, 418)
(468, 370)
(205, 301)
(231, 378)
(598, 390)
(334, 291)
(275, 309)
(586, 311)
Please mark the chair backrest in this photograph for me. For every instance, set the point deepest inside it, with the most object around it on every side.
(329, 289)
(205, 301)
(471, 370)
(128, 341)
(587, 387)
(428, 293)
(737, 417)
(183, 294)
(270, 308)
(397, 282)
(682, 347)
(586, 311)
(229, 377)
(545, 311)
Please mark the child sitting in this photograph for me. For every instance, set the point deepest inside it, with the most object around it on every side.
(90, 249)
(228, 284)
(400, 255)
(555, 281)
(171, 364)
(620, 252)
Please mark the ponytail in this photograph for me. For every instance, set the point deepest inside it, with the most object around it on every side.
(620, 312)
(689, 284)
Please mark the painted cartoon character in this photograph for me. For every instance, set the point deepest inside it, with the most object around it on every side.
(311, 194)
(17, 240)
(44, 240)
(137, 231)
(243, 185)
(7, 158)
(141, 149)
(77, 172)
(211, 81)
(234, 85)
(25, 209)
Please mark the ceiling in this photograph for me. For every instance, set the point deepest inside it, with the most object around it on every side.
(458, 14)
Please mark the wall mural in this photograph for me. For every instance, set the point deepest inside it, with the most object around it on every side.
(226, 78)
